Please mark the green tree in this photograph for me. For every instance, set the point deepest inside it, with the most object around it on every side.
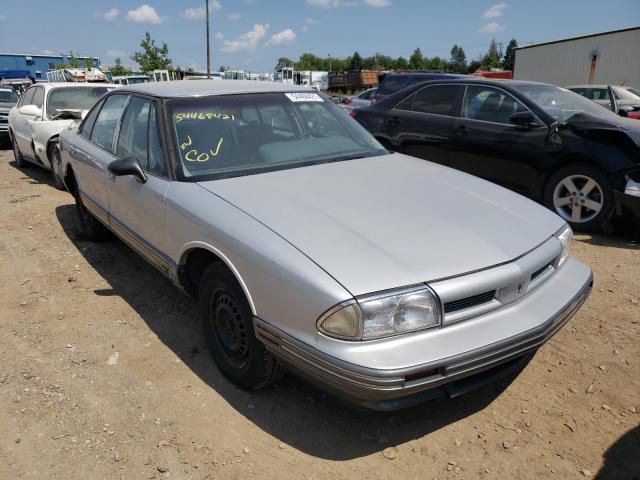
(284, 62)
(400, 63)
(473, 66)
(458, 61)
(356, 62)
(118, 69)
(436, 63)
(492, 57)
(152, 57)
(509, 58)
(416, 60)
(73, 60)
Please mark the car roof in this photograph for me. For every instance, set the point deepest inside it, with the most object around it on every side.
(590, 86)
(184, 88)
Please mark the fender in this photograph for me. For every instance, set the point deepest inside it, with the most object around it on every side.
(182, 255)
(41, 132)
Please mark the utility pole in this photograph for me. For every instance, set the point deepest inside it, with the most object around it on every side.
(206, 9)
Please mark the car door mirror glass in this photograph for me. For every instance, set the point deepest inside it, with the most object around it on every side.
(522, 119)
(30, 110)
(127, 166)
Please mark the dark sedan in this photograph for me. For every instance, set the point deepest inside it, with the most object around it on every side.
(545, 142)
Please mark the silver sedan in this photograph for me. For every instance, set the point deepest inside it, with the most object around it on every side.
(386, 279)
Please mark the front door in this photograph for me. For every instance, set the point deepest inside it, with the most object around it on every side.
(488, 145)
(136, 209)
(421, 124)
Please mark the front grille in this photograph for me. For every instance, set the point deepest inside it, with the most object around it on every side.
(469, 302)
(540, 271)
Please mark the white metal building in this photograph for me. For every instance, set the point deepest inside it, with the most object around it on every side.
(601, 58)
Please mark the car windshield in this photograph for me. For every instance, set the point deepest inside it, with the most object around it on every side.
(391, 84)
(561, 103)
(73, 98)
(234, 135)
(8, 96)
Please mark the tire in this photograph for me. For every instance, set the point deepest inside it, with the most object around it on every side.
(56, 166)
(91, 227)
(17, 155)
(588, 206)
(228, 326)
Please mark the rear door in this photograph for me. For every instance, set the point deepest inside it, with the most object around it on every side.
(95, 152)
(20, 122)
(488, 145)
(421, 124)
(137, 210)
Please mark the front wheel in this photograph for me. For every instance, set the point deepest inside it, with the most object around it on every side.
(228, 327)
(582, 194)
(17, 155)
(56, 166)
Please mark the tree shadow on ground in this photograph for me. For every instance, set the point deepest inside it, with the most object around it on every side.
(292, 411)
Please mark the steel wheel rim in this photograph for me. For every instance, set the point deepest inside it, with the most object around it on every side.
(229, 327)
(578, 198)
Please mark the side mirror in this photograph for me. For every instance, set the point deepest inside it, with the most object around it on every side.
(523, 119)
(30, 110)
(623, 112)
(127, 166)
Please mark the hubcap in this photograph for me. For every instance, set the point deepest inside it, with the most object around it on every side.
(578, 198)
(230, 328)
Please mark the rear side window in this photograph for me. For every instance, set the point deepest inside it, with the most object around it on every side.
(85, 130)
(38, 97)
(134, 132)
(437, 99)
(391, 85)
(489, 105)
(107, 121)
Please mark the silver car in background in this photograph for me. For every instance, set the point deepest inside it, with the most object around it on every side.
(386, 279)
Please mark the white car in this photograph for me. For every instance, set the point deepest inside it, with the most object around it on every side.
(45, 110)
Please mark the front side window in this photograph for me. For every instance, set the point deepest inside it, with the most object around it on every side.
(107, 121)
(134, 132)
(38, 97)
(436, 99)
(233, 135)
(157, 162)
(27, 97)
(73, 98)
(489, 104)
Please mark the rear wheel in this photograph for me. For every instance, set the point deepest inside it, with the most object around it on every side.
(17, 155)
(582, 194)
(56, 166)
(228, 326)
(91, 227)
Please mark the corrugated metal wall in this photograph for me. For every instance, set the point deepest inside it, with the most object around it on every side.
(569, 62)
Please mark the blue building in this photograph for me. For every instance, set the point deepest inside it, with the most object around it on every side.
(38, 64)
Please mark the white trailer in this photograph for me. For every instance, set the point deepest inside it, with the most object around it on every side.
(602, 58)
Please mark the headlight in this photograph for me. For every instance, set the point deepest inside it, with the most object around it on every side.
(632, 187)
(383, 315)
(564, 236)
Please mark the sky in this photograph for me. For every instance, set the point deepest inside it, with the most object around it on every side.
(252, 34)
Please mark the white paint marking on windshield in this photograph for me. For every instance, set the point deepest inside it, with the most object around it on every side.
(304, 97)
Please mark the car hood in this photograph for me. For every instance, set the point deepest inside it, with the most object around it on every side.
(389, 221)
(621, 130)
(5, 106)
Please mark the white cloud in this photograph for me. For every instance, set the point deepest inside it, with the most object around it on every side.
(198, 13)
(492, 27)
(2, 18)
(46, 51)
(145, 14)
(110, 15)
(308, 22)
(326, 4)
(285, 37)
(495, 11)
(377, 3)
(234, 16)
(246, 42)
(219, 35)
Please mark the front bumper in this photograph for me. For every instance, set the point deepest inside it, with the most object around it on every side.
(391, 389)
(627, 205)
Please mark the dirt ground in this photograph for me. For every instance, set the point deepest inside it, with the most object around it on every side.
(104, 374)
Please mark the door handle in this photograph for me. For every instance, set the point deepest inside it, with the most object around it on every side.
(462, 130)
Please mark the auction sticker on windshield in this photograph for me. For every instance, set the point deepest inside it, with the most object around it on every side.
(304, 97)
